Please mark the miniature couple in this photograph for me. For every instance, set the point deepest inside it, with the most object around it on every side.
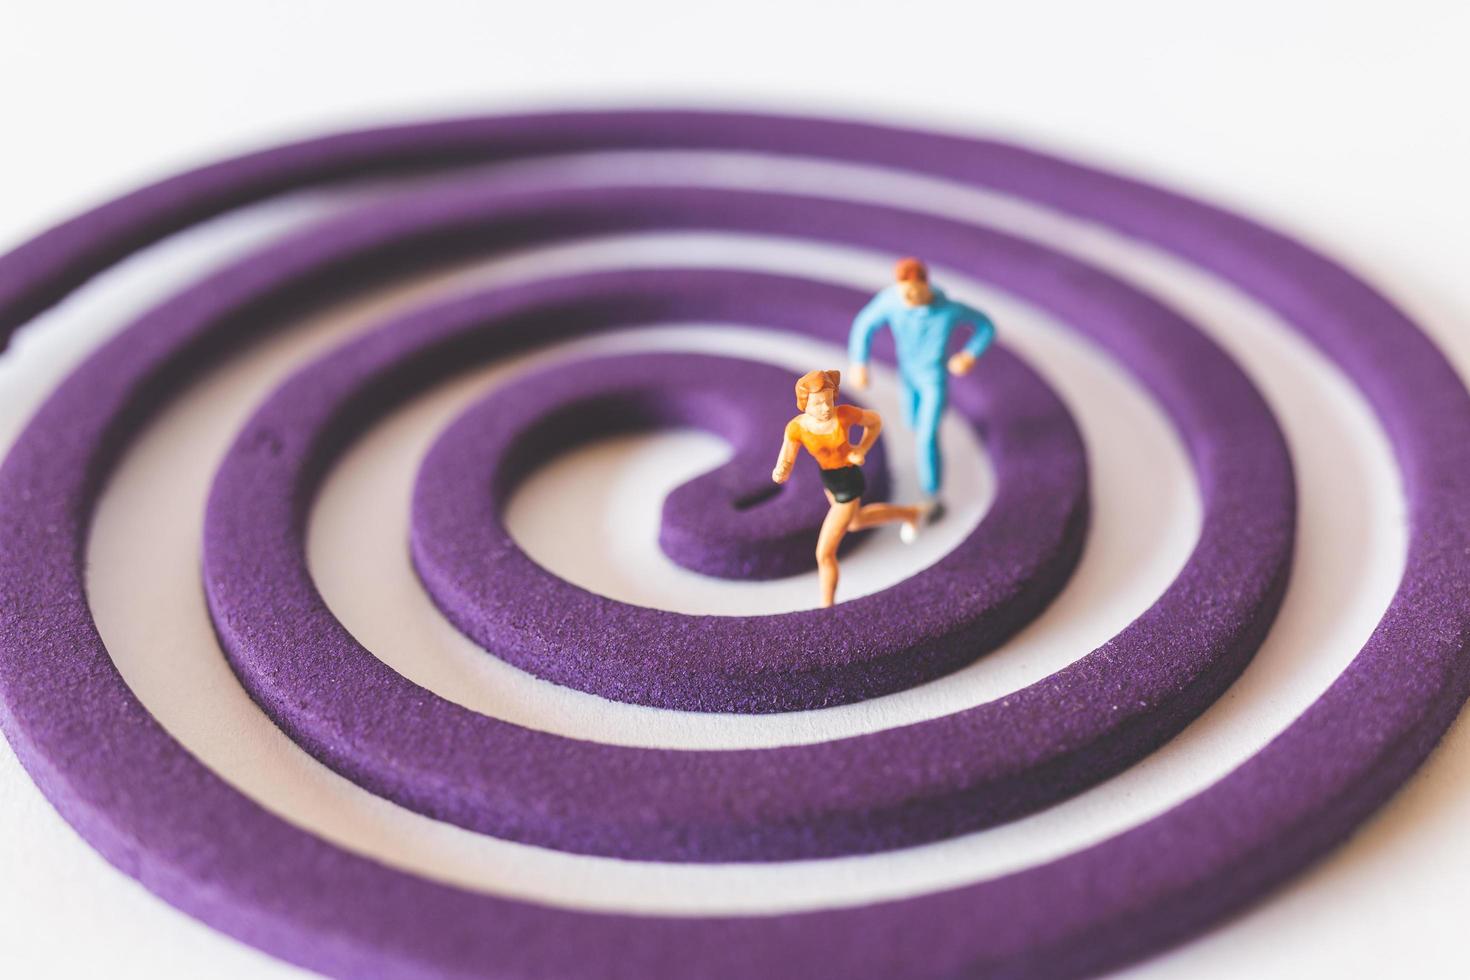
(923, 320)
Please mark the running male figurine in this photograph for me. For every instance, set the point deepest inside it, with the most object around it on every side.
(922, 319)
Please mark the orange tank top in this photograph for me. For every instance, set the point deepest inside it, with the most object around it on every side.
(829, 448)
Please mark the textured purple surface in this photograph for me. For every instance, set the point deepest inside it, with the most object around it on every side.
(513, 607)
(731, 522)
(998, 577)
(431, 755)
(907, 785)
(143, 801)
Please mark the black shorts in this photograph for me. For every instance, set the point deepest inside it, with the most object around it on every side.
(845, 483)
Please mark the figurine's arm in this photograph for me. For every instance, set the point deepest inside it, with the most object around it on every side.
(984, 334)
(787, 459)
(860, 341)
(872, 424)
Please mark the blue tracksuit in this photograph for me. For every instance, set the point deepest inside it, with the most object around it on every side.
(921, 334)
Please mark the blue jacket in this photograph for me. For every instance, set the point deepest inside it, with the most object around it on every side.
(921, 333)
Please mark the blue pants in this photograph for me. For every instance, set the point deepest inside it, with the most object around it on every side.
(923, 407)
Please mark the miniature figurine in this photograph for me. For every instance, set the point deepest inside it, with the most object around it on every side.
(823, 427)
(922, 319)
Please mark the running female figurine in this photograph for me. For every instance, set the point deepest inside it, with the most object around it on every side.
(822, 427)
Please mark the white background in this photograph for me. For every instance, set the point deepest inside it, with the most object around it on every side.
(1342, 122)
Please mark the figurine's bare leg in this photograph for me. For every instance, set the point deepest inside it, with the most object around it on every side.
(874, 514)
(834, 529)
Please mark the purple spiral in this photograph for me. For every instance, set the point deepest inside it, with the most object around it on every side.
(156, 812)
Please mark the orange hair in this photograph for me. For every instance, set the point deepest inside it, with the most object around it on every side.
(908, 269)
(813, 382)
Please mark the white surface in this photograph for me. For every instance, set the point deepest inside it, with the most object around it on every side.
(1323, 118)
